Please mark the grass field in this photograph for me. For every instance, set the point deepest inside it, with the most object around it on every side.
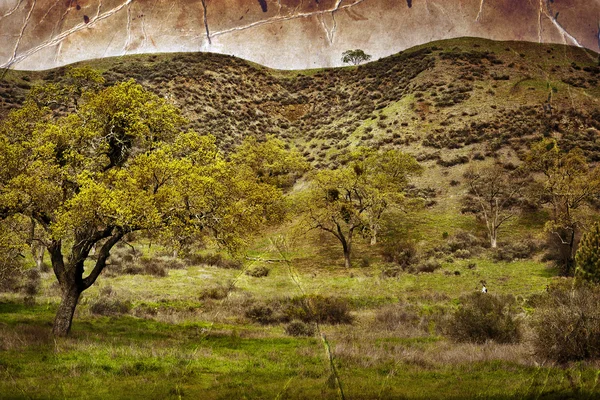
(173, 342)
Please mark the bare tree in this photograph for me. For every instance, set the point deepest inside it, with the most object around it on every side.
(494, 197)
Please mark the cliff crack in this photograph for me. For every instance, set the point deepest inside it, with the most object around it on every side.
(18, 42)
(128, 41)
(63, 35)
(566, 35)
(12, 10)
(540, 21)
(480, 13)
(282, 18)
(48, 11)
(206, 21)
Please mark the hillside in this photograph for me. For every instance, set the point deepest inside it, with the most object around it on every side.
(470, 94)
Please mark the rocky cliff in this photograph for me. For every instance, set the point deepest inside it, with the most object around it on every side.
(287, 34)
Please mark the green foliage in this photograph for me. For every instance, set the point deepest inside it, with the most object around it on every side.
(12, 245)
(568, 184)
(119, 163)
(354, 197)
(270, 161)
(485, 316)
(587, 258)
(355, 57)
(566, 323)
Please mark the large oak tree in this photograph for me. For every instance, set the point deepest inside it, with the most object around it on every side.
(117, 162)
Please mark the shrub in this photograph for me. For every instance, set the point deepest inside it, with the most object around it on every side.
(261, 313)
(299, 328)
(566, 326)
(395, 316)
(400, 253)
(109, 306)
(587, 259)
(429, 265)
(484, 316)
(317, 308)
(465, 241)
(33, 282)
(217, 292)
(391, 272)
(153, 266)
(514, 251)
(258, 272)
(462, 253)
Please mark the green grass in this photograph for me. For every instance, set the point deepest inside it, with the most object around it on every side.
(136, 358)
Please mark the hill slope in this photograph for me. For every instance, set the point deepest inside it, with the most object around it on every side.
(462, 93)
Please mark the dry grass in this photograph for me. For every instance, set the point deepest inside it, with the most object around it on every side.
(23, 336)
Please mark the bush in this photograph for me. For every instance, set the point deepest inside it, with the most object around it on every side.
(587, 259)
(429, 266)
(109, 306)
(465, 241)
(299, 328)
(391, 272)
(462, 253)
(401, 253)
(484, 316)
(217, 292)
(261, 313)
(515, 251)
(395, 316)
(566, 324)
(153, 266)
(317, 308)
(33, 284)
(258, 272)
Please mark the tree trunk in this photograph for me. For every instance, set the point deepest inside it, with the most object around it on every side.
(39, 256)
(64, 315)
(493, 242)
(347, 250)
(347, 262)
(373, 235)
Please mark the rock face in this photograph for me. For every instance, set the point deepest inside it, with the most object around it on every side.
(287, 34)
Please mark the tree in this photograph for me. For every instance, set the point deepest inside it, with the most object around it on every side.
(567, 184)
(352, 199)
(494, 197)
(118, 164)
(587, 258)
(355, 57)
(12, 245)
(271, 162)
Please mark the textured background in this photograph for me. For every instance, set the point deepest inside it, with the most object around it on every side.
(39, 34)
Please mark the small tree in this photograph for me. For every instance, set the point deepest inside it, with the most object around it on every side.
(352, 199)
(271, 162)
(587, 258)
(493, 197)
(567, 184)
(355, 57)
